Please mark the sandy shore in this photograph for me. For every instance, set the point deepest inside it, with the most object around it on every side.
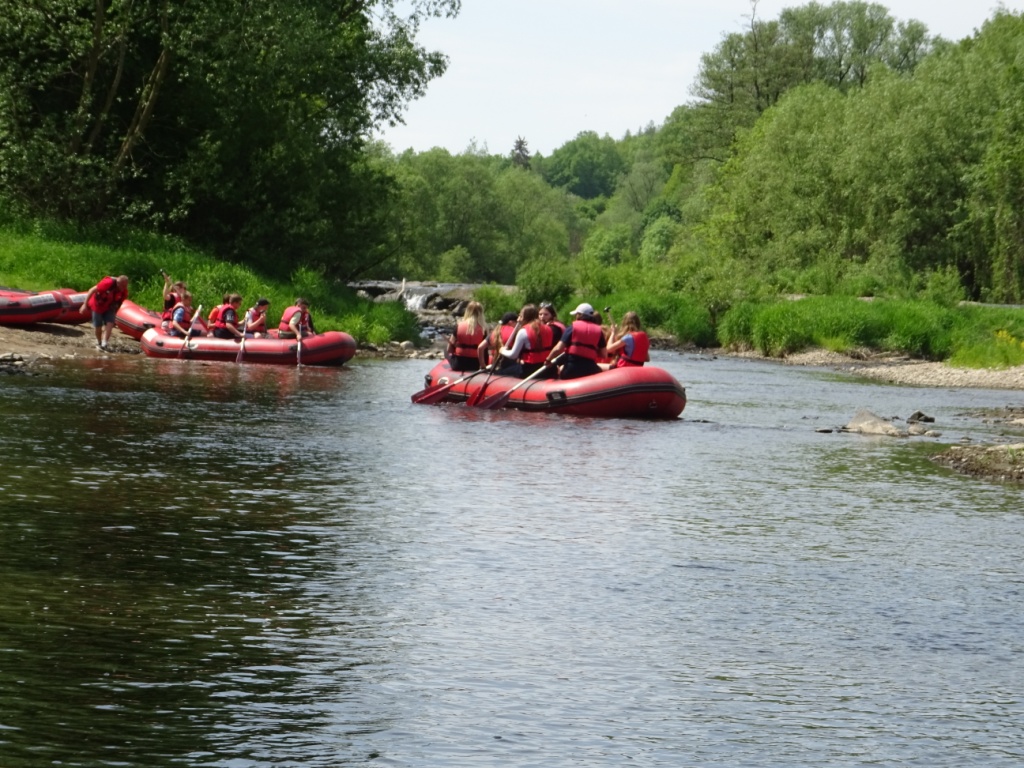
(904, 370)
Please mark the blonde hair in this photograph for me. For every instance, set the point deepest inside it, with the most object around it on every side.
(474, 316)
(630, 322)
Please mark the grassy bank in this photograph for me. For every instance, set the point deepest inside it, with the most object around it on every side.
(966, 335)
(43, 256)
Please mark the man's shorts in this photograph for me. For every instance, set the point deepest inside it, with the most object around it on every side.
(99, 319)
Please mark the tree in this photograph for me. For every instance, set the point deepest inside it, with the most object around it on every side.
(521, 154)
(747, 73)
(235, 124)
(587, 166)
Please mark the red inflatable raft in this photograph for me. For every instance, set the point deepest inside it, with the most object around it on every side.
(25, 307)
(644, 392)
(133, 320)
(328, 348)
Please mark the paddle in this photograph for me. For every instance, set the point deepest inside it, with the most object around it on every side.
(475, 397)
(497, 401)
(181, 352)
(241, 350)
(433, 394)
(298, 350)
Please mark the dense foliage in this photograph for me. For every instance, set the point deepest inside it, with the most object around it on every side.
(834, 151)
(238, 125)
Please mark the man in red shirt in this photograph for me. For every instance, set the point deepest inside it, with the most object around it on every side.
(104, 299)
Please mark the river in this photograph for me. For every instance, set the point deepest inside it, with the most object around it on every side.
(241, 566)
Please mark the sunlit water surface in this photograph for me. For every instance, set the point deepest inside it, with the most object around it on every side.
(219, 565)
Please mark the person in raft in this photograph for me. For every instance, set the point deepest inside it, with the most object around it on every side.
(531, 344)
(182, 317)
(104, 299)
(583, 343)
(255, 323)
(630, 343)
(211, 319)
(296, 322)
(226, 326)
(172, 295)
(463, 346)
(549, 316)
(490, 348)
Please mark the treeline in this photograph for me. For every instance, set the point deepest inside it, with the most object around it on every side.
(237, 126)
(834, 150)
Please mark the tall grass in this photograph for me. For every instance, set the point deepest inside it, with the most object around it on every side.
(48, 256)
(965, 335)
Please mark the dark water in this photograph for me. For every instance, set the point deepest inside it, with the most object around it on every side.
(211, 565)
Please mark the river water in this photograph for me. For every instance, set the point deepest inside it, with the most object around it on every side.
(219, 565)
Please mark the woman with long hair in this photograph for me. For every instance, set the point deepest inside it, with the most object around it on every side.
(630, 343)
(530, 344)
(462, 353)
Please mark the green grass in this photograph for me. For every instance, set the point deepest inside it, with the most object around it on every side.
(45, 256)
(969, 335)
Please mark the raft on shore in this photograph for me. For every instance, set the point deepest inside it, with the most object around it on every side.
(62, 306)
(133, 320)
(644, 392)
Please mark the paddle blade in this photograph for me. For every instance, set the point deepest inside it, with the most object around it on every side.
(436, 394)
(432, 395)
(494, 402)
(474, 399)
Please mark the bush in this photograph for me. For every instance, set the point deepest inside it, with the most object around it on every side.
(736, 327)
(498, 300)
(545, 280)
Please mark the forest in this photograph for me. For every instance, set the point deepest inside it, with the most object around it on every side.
(833, 151)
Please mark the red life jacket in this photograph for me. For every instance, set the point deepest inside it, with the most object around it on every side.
(542, 341)
(466, 342)
(257, 317)
(214, 315)
(170, 304)
(170, 324)
(585, 340)
(285, 324)
(103, 298)
(641, 345)
(220, 322)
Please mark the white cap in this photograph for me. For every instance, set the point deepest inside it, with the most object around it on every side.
(583, 309)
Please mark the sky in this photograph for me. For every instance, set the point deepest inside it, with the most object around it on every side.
(547, 70)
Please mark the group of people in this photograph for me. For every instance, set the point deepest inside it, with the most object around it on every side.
(524, 344)
(226, 320)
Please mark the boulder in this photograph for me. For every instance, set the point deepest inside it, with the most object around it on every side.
(864, 422)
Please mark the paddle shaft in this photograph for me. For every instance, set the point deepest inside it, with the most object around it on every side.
(432, 395)
(181, 352)
(497, 401)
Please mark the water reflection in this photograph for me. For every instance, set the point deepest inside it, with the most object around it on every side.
(245, 566)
